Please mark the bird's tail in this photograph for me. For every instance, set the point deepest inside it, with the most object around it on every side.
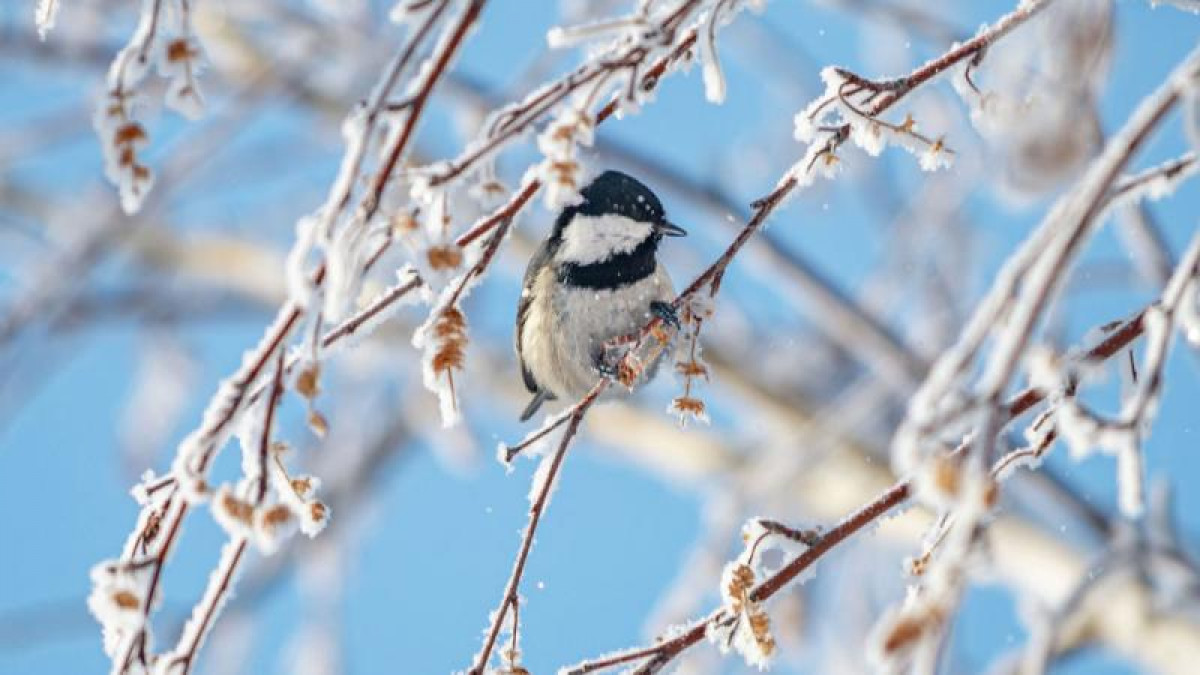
(538, 399)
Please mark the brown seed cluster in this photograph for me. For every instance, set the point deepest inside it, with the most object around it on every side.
(948, 478)
(738, 588)
(447, 257)
(691, 368)
(317, 511)
(302, 486)
(760, 629)
(564, 173)
(181, 49)
(688, 405)
(561, 170)
(757, 622)
(126, 600)
(906, 630)
(947, 474)
(318, 423)
(275, 517)
(450, 331)
(129, 133)
(239, 510)
(126, 140)
(308, 382)
(917, 566)
(404, 223)
(308, 385)
(153, 527)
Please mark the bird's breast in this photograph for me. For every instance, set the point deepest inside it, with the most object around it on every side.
(566, 327)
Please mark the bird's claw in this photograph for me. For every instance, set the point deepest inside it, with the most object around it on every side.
(666, 312)
(607, 365)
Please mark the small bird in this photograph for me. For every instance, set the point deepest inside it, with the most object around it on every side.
(595, 278)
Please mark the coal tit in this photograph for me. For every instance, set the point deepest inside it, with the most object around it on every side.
(595, 278)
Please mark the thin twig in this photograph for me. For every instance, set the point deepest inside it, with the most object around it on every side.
(510, 597)
(419, 100)
(214, 598)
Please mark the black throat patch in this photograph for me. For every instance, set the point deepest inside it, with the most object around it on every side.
(617, 271)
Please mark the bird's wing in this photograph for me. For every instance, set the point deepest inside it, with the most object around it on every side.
(536, 263)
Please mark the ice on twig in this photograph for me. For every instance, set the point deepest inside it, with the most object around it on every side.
(44, 17)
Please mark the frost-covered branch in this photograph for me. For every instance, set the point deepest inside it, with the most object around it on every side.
(1021, 294)
(630, 69)
(127, 636)
(711, 277)
(1029, 280)
(655, 658)
(851, 107)
(544, 482)
(164, 38)
(903, 632)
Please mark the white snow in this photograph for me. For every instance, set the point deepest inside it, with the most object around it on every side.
(44, 17)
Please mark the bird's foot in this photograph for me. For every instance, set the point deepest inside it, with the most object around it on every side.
(619, 365)
(666, 312)
(608, 363)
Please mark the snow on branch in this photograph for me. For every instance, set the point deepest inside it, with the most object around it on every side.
(851, 106)
(898, 633)
(941, 409)
(959, 483)
(164, 38)
(336, 245)
(166, 501)
(1027, 284)
(45, 16)
(1085, 432)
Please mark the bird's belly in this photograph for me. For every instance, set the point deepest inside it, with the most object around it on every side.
(582, 320)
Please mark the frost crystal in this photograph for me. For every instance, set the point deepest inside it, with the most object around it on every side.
(180, 64)
(540, 476)
(118, 595)
(1189, 312)
(750, 631)
(299, 280)
(714, 78)
(614, 29)
(442, 340)
(344, 261)
(164, 38)
(561, 171)
(122, 138)
(840, 119)
(45, 16)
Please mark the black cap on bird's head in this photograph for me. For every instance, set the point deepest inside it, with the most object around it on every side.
(613, 193)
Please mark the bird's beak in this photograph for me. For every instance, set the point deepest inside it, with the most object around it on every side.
(671, 229)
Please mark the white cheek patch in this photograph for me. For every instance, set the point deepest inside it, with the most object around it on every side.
(593, 239)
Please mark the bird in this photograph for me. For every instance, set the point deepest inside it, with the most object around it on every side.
(596, 277)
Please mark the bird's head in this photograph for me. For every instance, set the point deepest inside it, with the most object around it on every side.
(618, 221)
